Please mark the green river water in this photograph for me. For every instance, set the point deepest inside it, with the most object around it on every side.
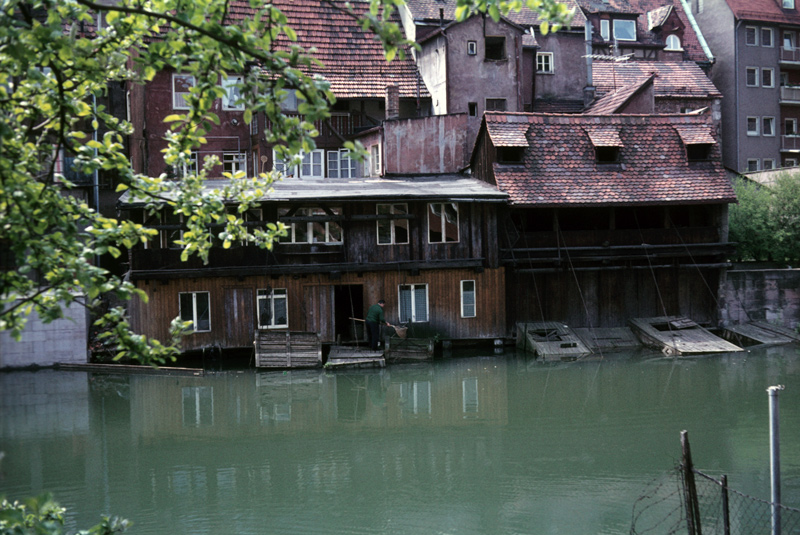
(473, 444)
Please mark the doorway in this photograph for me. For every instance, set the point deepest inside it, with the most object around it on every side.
(349, 303)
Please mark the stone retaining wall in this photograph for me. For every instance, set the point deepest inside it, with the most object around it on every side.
(761, 294)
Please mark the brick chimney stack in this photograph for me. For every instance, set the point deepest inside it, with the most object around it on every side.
(392, 102)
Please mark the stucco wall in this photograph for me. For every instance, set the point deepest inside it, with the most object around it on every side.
(60, 341)
(761, 294)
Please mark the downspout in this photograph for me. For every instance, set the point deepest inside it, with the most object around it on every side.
(693, 23)
(736, 90)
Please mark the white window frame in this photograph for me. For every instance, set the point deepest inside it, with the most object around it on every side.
(757, 166)
(232, 93)
(605, 29)
(194, 310)
(788, 4)
(194, 395)
(756, 76)
(271, 296)
(336, 169)
(756, 121)
(470, 396)
(472, 48)
(790, 121)
(375, 163)
(465, 313)
(544, 63)
(233, 162)
(294, 229)
(768, 121)
(770, 161)
(770, 42)
(313, 164)
(621, 23)
(791, 37)
(443, 220)
(178, 98)
(790, 162)
(392, 223)
(751, 31)
(412, 292)
(281, 166)
(771, 72)
(673, 43)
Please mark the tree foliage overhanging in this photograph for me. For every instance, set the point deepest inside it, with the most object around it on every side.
(50, 70)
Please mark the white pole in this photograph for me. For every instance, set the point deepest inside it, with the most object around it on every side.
(775, 457)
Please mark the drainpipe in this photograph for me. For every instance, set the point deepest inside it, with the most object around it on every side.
(738, 130)
(775, 458)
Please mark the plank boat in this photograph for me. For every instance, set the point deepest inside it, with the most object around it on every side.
(678, 335)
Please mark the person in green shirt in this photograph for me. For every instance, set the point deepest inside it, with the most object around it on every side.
(374, 321)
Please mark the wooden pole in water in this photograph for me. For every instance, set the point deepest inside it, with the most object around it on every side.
(726, 516)
(692, 505)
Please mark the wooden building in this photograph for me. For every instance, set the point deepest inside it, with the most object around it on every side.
(424, 244)
(611, 217)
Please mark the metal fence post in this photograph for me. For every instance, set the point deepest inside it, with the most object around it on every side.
(775, 457)
(692, 504)
(726, 514)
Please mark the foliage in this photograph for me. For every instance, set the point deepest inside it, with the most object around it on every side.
(42, 516)
(766, 221)
(51, 70)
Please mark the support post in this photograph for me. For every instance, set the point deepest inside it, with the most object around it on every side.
(726, 514)
(775, 457)
(692, 504)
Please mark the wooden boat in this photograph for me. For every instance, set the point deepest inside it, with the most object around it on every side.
(550, 339)
(678, 335)
(759, 333)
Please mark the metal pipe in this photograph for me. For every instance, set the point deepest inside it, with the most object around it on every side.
(775, 457)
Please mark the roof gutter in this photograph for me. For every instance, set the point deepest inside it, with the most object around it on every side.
(703, 44)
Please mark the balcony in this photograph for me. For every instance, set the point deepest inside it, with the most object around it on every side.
(790, 55)
(790, 94)
(339, 124)
(790, 143)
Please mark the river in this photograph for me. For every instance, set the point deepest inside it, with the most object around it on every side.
(473, 444)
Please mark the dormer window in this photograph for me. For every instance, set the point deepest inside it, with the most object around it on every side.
(673, 42)
(698, 140)
(788, 4)
(698, 152)
(605, 29)
(511, 155)
(607, 144)
(625, 30)
(495, 48)
(606, 154)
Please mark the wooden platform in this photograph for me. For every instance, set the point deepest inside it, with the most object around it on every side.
(354, 357)
(287, 349)
(408, 349)
(550, 339)
(677, 335)
(759, 333)
(608, 338)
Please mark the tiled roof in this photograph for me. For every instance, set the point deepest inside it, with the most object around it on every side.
(604, 136)
(559, 166)
(542, 105)
(508, 134)
(658, 17)
(690, 43)
(692, 134)
(428, 10)
(612, 102)
(677, 79)
(763, 11)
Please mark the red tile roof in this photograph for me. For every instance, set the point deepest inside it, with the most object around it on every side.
(677, 79)
(559, 166)
(612, 102)
(428, 10)
(763, 11)
(508, 134)
(692, 134)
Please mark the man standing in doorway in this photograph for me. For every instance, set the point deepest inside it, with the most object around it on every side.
(374, 321)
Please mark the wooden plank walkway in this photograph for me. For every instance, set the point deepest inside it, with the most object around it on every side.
(608, 338)
(677, 335)
(354, 357)
(749, 334)
(777, 329)
(550, 339)
(287, 349)
(408, 349)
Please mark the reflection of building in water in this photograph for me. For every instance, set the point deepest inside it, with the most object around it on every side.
(254, 404)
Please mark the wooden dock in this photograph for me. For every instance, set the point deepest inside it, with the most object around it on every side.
(287, 349)
(677, 335)
(550, 340)
(408, 349)
(759, 333)
(354, 357)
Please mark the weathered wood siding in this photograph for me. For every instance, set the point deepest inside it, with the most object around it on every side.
(312, 306)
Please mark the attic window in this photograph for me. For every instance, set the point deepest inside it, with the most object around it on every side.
(673, 42)
(698, 141)
(510, 155)
(606, 154)
(788, 4)
(625, 30)
(607, 144)
(495, 48)
(698, 152)
(495, 104)
(605, 29)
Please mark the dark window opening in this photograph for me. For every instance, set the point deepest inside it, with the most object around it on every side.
(510, 154)
(646, 217)
(473, 109)
(495, 48)
(698, 152)
(472, 48)
(533, 220)
(607, 154)
(584, 219)
(495, 104)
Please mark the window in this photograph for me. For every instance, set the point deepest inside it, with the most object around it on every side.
(544, 62)
(752, 126)
(232, 99)
(272, 309)
(282, 166)
(698, 152)
(234, 162)
(189, 168)
(625, 30)
(788, 4)
(415, 398)
(181, 84)
(413, 303)
(752, 165)
(198, 406)
(767, 77)
(605, 29)
(790, 162)
(766, 37)
(510, 155)
(673, 42)
(472, 48)
(289, 102)
(341, 165)
(375, 166)
(751, 77)
(784, 79)
(442, 222)
(495, 48)
(768, 164)
(473, 109)
(788, 40)
(468, 299)
(469, 396)
(606, 154)
(790, 127)
(751, 36)
(318, 229)
(170, 236)
(768, 126)
(195, 307)
(495, 104)
(392, 231)
(313, 165)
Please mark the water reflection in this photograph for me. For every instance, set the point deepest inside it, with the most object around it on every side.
(480, 445)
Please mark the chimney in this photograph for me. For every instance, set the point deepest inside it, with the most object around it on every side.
(392, 102)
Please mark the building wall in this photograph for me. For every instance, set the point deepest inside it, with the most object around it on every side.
(569, 67)
(432, 62)
(771, 295)
(428, 145)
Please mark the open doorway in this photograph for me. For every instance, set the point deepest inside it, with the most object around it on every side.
(348, 303)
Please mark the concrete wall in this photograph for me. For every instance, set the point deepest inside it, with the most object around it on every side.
(63, 340)
(426, 145)
(761, 294)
